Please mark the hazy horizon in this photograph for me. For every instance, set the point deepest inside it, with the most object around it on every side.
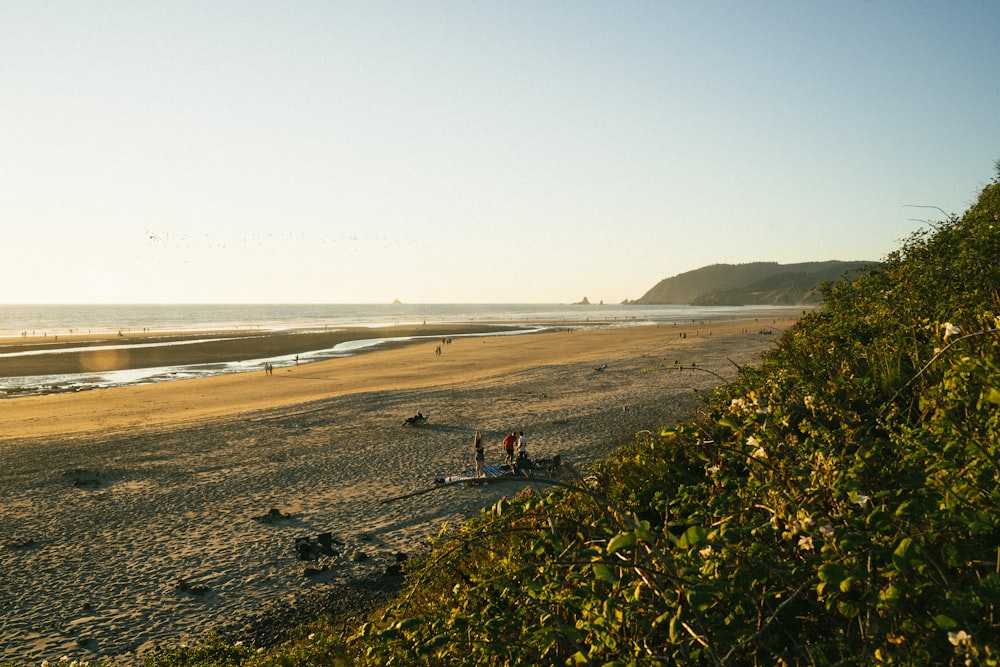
(451, 153)
(575, 302)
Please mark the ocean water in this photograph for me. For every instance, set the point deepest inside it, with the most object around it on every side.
(50, 321)
(37, 320)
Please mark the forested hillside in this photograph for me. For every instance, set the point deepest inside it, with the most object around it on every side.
(757, 283)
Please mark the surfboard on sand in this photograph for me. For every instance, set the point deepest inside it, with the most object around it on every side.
(470, 475)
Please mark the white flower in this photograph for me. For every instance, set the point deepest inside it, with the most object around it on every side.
(713, 469)
(861, 500)
(959, 638)
(758, 452)
(806, 543)
(238, 642)
(312, 636)
(706, 552)
(951, 330)
(828, 531)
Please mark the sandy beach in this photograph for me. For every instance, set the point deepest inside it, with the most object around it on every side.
(142, 517)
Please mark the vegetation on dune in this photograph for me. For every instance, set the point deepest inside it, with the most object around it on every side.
(837, 504)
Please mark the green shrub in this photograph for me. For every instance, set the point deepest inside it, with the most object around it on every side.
(838, 505)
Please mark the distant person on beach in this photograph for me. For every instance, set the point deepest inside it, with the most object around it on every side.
(522, 463)
(477, 441)
(508, 447)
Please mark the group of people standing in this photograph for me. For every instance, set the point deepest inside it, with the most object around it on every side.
(515, 447)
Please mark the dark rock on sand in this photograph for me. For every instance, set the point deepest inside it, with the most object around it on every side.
(309, 548)
(19, 542)
(193, 589)
(273, 516)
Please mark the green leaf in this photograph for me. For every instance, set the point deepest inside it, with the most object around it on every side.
(408, 623)
(621, 541)
(903, 554)
(832, 573)
(644, 532)
(879, 520)
(675, 623)
(693, 536)
(945, 622)
(501, 506)
(890, 595)
(605, 573)
(661, 618)
(699, 598)
(729, 423)
(903, 508)
(848, 541)
(848, 609)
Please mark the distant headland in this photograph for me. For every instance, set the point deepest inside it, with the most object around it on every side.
(757, 283)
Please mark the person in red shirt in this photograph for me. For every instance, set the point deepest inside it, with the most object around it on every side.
(508, 447)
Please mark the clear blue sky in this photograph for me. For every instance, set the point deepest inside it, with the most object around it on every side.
(487, 152)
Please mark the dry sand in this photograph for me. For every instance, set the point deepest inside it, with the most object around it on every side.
(130, 519)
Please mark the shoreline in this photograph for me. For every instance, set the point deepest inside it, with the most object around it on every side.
(402, 364)
(82, 361)
(152, 350)
(156, 498)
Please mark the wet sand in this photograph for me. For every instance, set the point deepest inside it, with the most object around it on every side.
(84, 353)
(141, 517)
